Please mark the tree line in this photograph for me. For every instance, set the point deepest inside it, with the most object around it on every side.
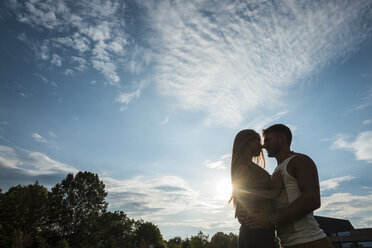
(74, 214)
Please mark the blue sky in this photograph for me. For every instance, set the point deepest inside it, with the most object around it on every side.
(150, 94)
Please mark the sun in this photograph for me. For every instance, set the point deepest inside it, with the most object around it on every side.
(222, 189)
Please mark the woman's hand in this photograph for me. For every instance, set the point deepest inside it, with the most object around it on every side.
(242, 216)
(258, 220)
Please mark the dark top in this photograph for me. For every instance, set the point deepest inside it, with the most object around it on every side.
(251, 178)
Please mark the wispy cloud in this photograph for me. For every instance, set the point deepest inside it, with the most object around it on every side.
(165, 121)
(169, 201)
(39, 138)
(224, 59)
(358, 208)
(126, 97)
(44, 79)
(229, 60)
(333, 183)
(262, 122)
(355, 207)
(365, 102)
(151, 197)
(31, 163)
(52, 134)
(361, 146)
(367, 122)
(222, 163)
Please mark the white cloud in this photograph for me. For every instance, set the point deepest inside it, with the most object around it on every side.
(39, 138)
(32, 163)
(43, 51)
(228, 59)
(345, 205)
(94, 28)
(367, 122)
(81, 64)
(361, 146)
(56, 60)
(75, 41)
(333, 183)
(222, 163)
(68, 72)
(44, 15)
(155, 196)
(357, 208)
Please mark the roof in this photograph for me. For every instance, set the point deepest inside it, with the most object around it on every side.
(332, 225)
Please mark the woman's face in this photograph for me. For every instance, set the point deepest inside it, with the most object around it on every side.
(255, 146)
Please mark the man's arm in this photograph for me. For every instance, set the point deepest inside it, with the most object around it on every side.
(304, 170)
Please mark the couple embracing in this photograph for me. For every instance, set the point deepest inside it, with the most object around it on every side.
(283, 202)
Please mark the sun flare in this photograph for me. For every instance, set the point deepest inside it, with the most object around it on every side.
(222, 189)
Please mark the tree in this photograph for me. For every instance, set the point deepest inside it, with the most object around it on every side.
(146, 233)
(186, 243)
(233, 240)
(23, 216)
(222, 240)
(199, 241)
(175, 242)
(115, 230)
(75, 205)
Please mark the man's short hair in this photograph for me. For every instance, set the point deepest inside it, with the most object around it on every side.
(282, 129)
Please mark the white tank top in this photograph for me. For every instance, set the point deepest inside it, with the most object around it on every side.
(300, 231)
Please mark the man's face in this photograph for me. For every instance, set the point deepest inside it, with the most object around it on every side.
(271, 144)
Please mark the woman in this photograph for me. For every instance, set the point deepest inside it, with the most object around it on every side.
(253, 188)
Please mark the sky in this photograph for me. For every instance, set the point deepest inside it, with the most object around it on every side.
(150, 94)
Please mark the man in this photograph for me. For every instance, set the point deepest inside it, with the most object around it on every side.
(300, 196)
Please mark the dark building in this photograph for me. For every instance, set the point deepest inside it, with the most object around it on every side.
(343, 234)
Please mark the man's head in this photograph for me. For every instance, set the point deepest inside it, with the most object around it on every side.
(277, 137)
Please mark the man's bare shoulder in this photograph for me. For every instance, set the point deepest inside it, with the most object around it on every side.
(300, 158)
(300, 162)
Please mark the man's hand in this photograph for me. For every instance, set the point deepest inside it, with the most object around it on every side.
(258, 220)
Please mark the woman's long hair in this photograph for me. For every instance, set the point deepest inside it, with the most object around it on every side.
(241, 142)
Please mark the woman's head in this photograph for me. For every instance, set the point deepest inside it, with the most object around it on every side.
(247, 143)
(247, 146)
